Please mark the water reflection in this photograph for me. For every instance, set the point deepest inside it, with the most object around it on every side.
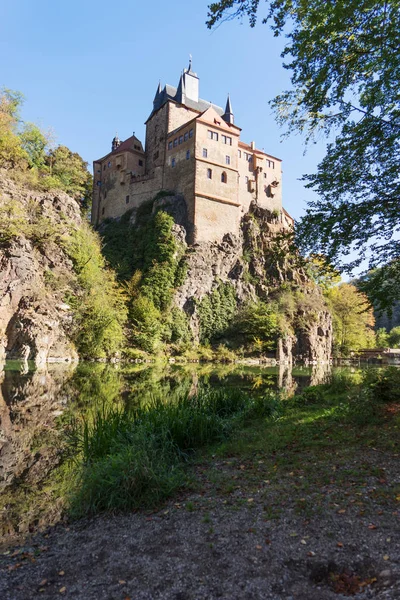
(36, 405)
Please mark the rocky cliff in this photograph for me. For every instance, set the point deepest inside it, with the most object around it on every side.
(34, 318)
(259, 264)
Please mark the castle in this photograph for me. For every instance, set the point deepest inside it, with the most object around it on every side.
(193, 148)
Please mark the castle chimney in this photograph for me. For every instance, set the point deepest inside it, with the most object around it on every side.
(253, 145)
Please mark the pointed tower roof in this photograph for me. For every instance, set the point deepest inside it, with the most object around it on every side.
(158, 92)
(228, 115)
(181, 91)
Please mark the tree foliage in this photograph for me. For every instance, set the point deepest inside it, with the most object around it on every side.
(345, 62)
(353, 319)
(25, 148)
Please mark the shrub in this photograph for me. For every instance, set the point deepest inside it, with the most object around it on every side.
(100, 308)
(216, 311)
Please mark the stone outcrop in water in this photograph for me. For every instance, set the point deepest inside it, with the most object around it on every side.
(34, 318)
(258, 263)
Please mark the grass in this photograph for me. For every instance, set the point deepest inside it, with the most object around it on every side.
(134, 457)
(137, 457)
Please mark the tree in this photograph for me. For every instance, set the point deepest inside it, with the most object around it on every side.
(12, 153)
(394, 337)
(353, 319)
(68, 171)
(345, 62)
(382, 338)
(34, 143)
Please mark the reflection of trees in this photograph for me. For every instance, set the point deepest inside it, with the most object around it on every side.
(29, 439)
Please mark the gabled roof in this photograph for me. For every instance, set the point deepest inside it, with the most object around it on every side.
(172, 93)
(210, 116)
(124, 146)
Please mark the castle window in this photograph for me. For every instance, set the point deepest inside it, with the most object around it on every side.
(209, 173)
(271, 163)
(213, 135)
(99, 170)
(246, 179)
(239, 153)
(187, 154)
(156, 155)
(227, 160)
(265, 176)
(104, 168)
(204, 152)
(140, 163)
(136, 147)
(226, 139)
(127, 200)
(180, 139)
(99, 183)
(109, 164)
(173, 163)
(191, 133)
(224, 178)
(169, 145)
(102, 212)
(186, 137)
(175, 142)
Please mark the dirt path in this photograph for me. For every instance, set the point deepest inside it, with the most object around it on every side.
(241, 534)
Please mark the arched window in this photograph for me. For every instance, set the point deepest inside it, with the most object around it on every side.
(209, 173)
(224, 178)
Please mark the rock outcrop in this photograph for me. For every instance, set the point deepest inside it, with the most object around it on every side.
(34, 318)
(257, 263)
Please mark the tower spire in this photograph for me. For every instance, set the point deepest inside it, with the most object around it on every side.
(228, 115)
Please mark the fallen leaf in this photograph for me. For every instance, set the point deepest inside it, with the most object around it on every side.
(259, 547)
(339, 545)
(61, 573)
(342, 511)
(250, 499)
(303, 542)
(386, 557)
(121, 581)
(43, 582)
(311, 553)
(63, 590)
(372, 526)
(294, 534)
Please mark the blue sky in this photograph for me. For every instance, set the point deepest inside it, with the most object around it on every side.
(88, 69)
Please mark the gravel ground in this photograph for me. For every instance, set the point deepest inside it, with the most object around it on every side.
(237, 536)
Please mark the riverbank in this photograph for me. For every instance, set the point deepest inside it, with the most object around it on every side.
(301, 506)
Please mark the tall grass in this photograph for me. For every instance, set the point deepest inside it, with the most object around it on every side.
(134, 457)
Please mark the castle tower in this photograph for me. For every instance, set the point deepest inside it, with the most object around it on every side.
(228, 115)
(115, 143)
(191, 83)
